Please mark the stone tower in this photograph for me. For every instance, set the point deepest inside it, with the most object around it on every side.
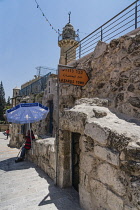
(67, 40)
(15, 98)
(16, 92)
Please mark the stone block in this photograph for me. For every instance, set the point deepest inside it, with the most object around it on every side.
(40, 149)
(134, 101)
(112, 177)
(64, 178)
(85, 198)
(113, 201)
(98, 193)
(107, 155)
(86, 163)
(92, 101)
(43, 155)
(64, 161)
(119, 140)
(129, 208)
(84, 180)
(122, 156)
(44, 150)
(52, 160)
(64, 146)
(73, 121)
(100, 49)
(86, 144)
(97, 133)
(131, 167)
(49, 171)
(132, 151)
(134, 192)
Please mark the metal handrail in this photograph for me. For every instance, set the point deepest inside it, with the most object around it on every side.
(105, 32)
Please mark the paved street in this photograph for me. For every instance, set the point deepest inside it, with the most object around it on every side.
(23, 186)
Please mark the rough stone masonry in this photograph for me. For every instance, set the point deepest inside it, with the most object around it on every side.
(106, 115)
(109, 156)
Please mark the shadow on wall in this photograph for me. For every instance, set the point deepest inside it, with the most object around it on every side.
(125, 117)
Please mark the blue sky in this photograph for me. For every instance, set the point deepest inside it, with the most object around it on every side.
(28, 41)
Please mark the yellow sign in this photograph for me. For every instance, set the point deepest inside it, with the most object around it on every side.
(73, 77)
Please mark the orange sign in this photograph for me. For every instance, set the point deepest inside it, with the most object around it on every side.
(73, 76)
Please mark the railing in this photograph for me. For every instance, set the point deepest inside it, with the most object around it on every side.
(124, 22)
(76, 37)
(35, 87)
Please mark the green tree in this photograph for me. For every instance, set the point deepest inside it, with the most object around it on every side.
(7, 104)
(2, 101)
(8, 101)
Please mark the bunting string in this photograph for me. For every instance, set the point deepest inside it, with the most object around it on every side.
(57, 31)
(38, 7)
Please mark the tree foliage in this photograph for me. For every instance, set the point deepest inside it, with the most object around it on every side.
(2, 101)
(7, 104)
(8, 101)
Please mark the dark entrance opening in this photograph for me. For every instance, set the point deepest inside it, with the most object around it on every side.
(75, 160)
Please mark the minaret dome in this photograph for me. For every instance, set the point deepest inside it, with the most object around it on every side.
(67, 40)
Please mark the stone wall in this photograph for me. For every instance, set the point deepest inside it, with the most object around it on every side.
(106, 113)
(43, 155)
(114, 72)
(42, 152)
(50, 99)
(109, 156)
(4, 127)
(16, 138)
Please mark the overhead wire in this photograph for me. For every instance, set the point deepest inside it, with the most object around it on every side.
(38, 7)
(47, 20)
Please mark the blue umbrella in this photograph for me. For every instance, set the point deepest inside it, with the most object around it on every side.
(27, 113)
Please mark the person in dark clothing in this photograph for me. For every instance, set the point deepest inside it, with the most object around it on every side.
(7, 132)
(30, 136)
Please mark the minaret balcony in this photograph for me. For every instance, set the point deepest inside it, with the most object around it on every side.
(67, 42)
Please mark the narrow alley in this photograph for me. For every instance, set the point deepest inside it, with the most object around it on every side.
(26, 187)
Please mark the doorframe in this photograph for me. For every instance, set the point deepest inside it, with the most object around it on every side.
(71, 158)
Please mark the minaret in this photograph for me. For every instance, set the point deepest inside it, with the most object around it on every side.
(15, 100)
(67, 40)
(16, 92)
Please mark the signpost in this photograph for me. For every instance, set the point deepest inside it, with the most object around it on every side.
(67, 75)
(73, 77)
